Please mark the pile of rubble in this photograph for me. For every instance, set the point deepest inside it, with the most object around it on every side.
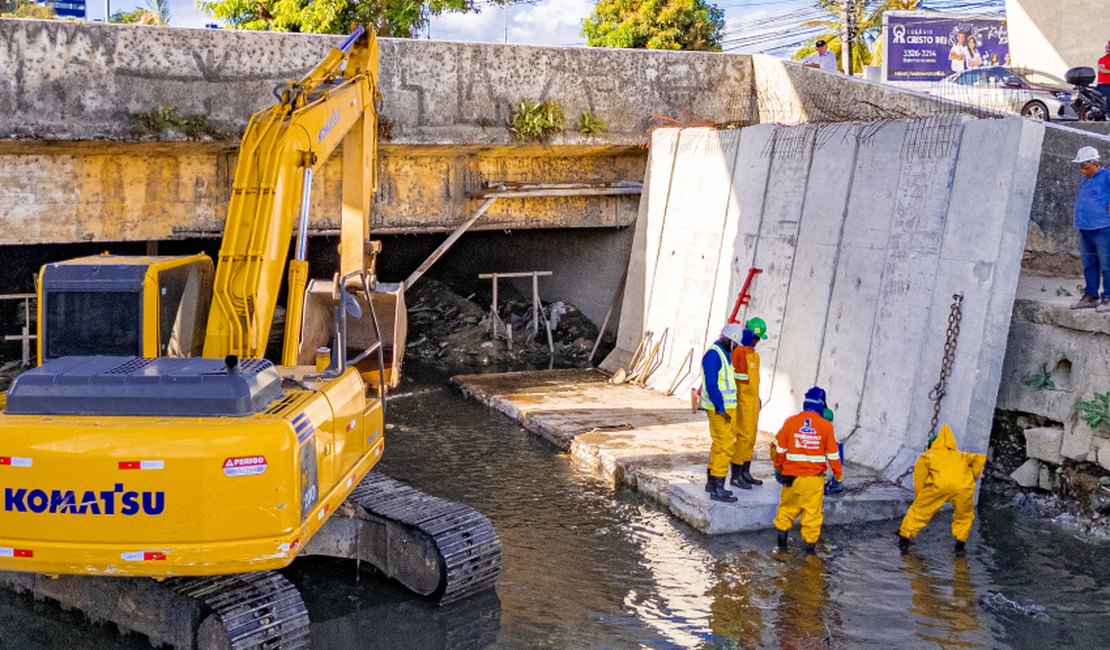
(1028, 472)
(458, 332)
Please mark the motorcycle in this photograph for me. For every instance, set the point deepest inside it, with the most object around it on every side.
(1089, 103)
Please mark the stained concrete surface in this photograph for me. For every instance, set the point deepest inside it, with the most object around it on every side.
(69, 93)
(656, 445)
(864, 232)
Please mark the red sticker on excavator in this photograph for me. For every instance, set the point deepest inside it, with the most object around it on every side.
(245, 466)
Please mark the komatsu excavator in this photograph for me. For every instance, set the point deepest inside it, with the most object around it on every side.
(147, 444)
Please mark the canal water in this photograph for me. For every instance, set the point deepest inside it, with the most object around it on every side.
(587, 567)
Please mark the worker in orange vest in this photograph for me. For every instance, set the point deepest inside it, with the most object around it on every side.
(745, 362)
(943, 474)
(803, 449)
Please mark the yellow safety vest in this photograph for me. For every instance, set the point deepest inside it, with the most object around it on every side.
(726, 383)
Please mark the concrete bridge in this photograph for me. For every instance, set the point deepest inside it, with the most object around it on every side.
(913, 200)
(73, 168)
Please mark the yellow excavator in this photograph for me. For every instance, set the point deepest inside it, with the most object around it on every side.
(154, 440)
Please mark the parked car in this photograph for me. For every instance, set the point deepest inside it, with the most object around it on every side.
(1034, 94)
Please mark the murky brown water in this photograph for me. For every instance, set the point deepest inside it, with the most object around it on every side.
(589, 568)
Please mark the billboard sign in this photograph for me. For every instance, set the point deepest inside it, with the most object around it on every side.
(66, 8)
(921, 46)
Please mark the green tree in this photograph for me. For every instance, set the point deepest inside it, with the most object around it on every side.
(401, 18)
(156, 12)
(867, 21)
(25, 9)
(655, 25)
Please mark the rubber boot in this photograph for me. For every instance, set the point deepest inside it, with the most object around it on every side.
(709, 483)
(746, 472)
(811, 548)
(719, 492)
(960, 548)
(782, 541)
(738, 477)
(903, 544)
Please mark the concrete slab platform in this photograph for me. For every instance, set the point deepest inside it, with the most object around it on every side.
(654, 444)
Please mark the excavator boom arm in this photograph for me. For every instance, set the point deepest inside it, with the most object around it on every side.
(281, 149)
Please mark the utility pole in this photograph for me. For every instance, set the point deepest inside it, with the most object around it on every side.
(848, 16)
(505, 17)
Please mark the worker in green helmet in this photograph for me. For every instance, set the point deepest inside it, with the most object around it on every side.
(745, 364)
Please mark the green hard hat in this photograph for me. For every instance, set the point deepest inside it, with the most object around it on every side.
(757, 326)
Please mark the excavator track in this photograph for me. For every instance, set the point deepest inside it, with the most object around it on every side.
(248, 611)
(245, 611)
(433, 546)
(467, 545)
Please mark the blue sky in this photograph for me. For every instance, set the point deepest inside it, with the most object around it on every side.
(542, 22)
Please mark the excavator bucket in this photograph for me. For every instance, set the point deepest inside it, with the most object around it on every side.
(386, 316)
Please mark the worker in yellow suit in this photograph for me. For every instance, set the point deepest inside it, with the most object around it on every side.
(804, 448)
(943, 474)
(718, 400)
(745, 362)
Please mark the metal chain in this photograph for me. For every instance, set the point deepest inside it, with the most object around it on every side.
(937, 394)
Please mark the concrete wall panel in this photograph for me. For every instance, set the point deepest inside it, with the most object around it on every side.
(814, 264)
(855, 289)
(906, 292)
(863, 232)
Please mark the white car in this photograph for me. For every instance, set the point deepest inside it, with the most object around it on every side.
(1034, 94)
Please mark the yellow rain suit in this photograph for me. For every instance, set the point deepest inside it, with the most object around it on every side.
(718, 398)
(944, 474)
(745, 362)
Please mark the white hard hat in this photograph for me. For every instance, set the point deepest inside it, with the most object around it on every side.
(1086, 154)
(733, 332)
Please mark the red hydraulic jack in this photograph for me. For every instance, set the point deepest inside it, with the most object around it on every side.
(744, 297)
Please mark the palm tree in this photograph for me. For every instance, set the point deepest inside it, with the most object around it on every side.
(158, 12)
(867, 19)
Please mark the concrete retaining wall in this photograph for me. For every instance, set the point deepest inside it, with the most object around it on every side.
(80, 81)
(1071, 346)
(864, 232)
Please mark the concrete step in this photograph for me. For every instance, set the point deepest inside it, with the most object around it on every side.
(654, 444)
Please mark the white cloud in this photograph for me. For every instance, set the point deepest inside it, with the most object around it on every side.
(548, 22)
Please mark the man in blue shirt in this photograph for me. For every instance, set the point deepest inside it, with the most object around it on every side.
(1092, 218)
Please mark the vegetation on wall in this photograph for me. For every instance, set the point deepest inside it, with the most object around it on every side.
(534, 120)
(1096, 411)
(1040, 380)
(164, 118)
(591, 124)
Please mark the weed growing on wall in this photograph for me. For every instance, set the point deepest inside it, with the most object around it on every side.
(591, 124)
(1039, 380)
(164, 118)
(533, 121)
(1096, 411)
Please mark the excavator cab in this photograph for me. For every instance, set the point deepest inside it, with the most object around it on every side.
(115, 305)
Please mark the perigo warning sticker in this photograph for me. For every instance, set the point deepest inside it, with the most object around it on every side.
(245, 465)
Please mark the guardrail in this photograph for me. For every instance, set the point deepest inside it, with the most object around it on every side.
(25, 337)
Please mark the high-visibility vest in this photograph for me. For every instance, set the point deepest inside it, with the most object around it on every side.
(726, 383)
